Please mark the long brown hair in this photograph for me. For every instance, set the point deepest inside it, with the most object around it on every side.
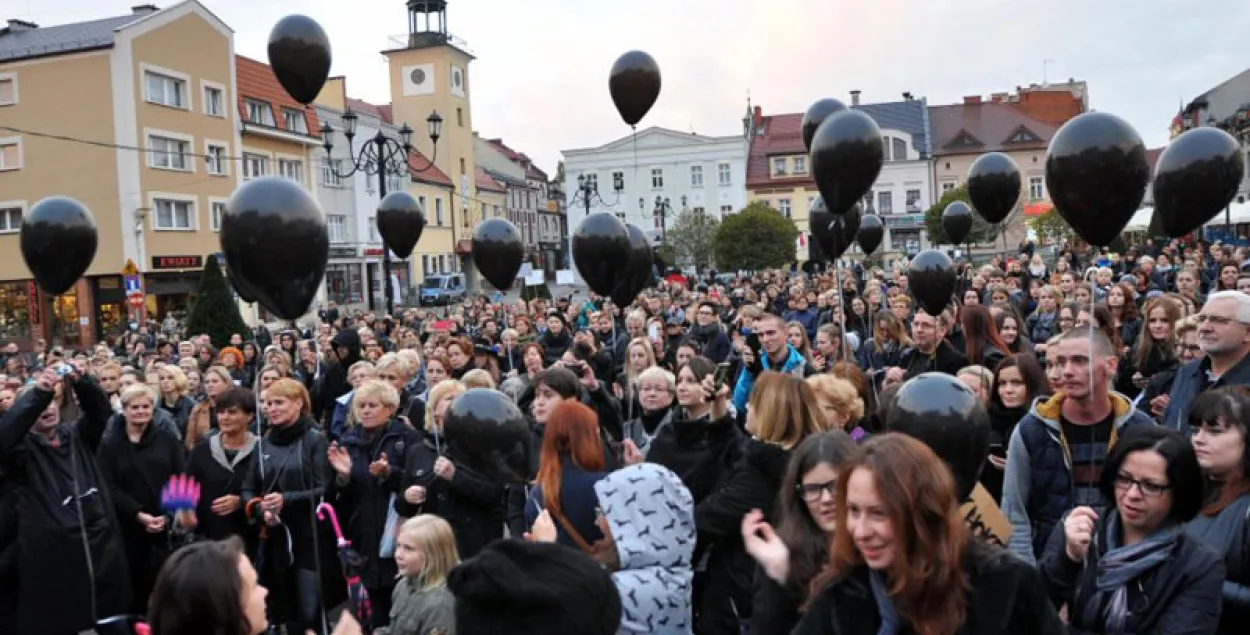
(572, 430)
(980, 331)
(927, 583)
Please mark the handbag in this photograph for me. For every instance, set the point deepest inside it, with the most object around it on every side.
(386, 549)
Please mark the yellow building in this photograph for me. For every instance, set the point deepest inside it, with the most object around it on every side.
(146, 100)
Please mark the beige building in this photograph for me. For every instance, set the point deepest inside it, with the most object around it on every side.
(146, 100)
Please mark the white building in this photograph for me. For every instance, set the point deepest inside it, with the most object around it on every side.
(704, 172)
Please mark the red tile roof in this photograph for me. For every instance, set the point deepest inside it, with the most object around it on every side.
(257, 81)
(433, 175)
(367, 108)
(486, 182)
(1152, 158)
(531, 171)
(782, 135)
(984, 127)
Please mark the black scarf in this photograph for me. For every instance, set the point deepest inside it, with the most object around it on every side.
(288, 434)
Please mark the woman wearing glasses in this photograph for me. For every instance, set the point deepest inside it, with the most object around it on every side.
(1130, 567)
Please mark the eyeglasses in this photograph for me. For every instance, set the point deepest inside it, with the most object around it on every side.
(1125, 482)
(1218, 320)
(812, 491)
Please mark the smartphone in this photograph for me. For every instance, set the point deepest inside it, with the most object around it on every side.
(753, 343)
(577, 368)
(722, 375)
(63, 370)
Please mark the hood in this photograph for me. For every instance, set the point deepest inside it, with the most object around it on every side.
(1048, 408)
(651, 515)
(349, 339)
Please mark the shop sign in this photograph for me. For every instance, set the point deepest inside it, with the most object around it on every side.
(177, 262)
(372, 251)
(904, 221)
(345, 252)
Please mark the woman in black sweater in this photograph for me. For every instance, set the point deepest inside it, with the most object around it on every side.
(219, 464)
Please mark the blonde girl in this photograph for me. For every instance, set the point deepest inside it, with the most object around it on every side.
(425, 552)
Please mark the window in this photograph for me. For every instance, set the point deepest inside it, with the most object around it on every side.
(344, 284)
(8, 89)
(254, 165)
(329, 173)
(946, 187)
(900, 149)
(214, 100)
(174, 214)
(723, 174)
(592, 180)
(907, 240)
(800, 164)
(462, 165)
(885, 148)
(779, 166)
(1022, 136)
(425, 266)
(885, 202)
(618, 181)
(10, 219)
(259, 112)
(442, 263)
(165, 90)
(698, 210)
(913, 200)
(291, 169)
(10, 154)
(216, 210)
(294, 121)
(1037, 188)
(438, 212)
(336, 227)
(373, 229)
(783, 206)
(215, 158)
(696, 176)
(726, 209)
(657, 178)
(460, 117)
(495, 209)
(394, 183)
(167, 153)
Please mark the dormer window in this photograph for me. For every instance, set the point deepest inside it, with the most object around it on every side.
(800, 164)
(259, 112)
(1023, 136)
(779, 166)
(294, 121)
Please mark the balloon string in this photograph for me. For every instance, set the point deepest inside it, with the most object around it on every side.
(837, 272)
(1091, 338)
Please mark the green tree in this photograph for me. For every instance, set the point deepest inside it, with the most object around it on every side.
(693, 237)
(214, 310)
(1050, 227)
(758, 237)
(982, 231)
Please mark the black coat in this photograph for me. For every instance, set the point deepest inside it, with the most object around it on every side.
(218, 477)
(698, 451)
(1179, 597)
(1228, 532)
(1006, 597)
(364, 501)
(54, 592)
(471, 504)
(292, 462)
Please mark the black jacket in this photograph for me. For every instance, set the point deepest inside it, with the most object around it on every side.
(334, 382)
(697, 451)
(1228, 532)
(1179, 597)
(1006, 597)
(364, 501)
(943, 360)
(471, 504)
(292, 462)
(219, 477)
(54, 594)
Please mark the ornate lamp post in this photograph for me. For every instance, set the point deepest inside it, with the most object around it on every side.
(588, 192)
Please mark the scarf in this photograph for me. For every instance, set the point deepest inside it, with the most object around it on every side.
(1121, 565)
(218, 452)
(891, 621)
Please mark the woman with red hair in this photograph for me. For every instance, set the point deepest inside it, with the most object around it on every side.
(570, 463)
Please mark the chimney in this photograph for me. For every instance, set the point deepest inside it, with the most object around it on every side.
(144, 9)
(907, 96)
(855, 97)
(18, 26)
(972, 100)
(759, 115)
(998, 98)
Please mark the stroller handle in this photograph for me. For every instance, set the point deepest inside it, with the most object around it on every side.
(325, 508)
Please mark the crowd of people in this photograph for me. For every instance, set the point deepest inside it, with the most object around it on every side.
(713, 459)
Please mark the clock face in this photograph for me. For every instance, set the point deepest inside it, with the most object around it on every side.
(417, 76)
(455, 78)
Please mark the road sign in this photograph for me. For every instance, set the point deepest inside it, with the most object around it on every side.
(130, 269)
(135, 301)
(133, 285)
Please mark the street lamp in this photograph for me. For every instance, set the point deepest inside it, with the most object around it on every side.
(588, 192)
(662, 208)
(382, 155)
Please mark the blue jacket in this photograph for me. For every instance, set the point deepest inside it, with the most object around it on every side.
(1037, 483)
(809, 319)
(1190, 380)
(577, 502)
(796, 365)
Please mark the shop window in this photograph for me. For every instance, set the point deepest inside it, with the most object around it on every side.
(65, 327)
(344, 284)
(14, 311)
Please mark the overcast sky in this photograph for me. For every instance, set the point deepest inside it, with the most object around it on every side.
(540, 78)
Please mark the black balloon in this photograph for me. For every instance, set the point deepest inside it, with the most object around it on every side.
(1096, 172)
(59, 240)
(638, 270)
(833, 234)
(1197, 175)
(942, 412)
(401, 222)
(871, 233)
(846, 158)
(635, 85)
(957, 221)
(994, 183)
(245, 294)
(488, 434)
(815, 115)
(601, 250)
(299, 52)
(498, 251)
(274, 239)
(931, 278)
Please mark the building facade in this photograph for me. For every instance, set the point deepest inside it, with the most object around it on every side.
(553, 228)
(626, 176)
(1226, 106)
(525, 190)
(779, 174)
(145, 106)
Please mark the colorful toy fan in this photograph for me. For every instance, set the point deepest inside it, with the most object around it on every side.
(182, 493)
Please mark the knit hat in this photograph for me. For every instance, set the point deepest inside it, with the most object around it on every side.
(513, 587)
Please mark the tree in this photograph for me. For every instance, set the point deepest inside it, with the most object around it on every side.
(1050, 227)
(758, 237)
(693, 237)
(214, 310)
(982, 231)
